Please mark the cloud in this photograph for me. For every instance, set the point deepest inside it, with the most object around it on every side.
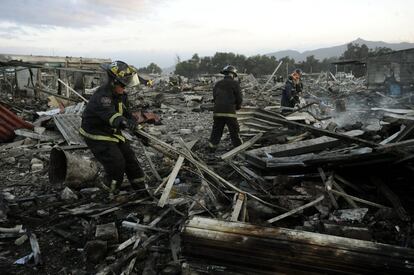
(69, 13)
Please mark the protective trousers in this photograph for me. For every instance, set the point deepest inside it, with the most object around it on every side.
(117, 159)
(218, 127)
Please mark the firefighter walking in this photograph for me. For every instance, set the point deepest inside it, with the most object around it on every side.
(227, 99)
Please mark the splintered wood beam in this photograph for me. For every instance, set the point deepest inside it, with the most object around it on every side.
(273, 250)
(296, 210)
(241, 147)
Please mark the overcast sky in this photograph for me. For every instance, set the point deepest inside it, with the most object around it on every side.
(143, 31)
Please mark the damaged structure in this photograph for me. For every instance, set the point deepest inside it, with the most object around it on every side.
(323, 188)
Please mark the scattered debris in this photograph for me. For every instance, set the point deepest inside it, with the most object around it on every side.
(333, 174)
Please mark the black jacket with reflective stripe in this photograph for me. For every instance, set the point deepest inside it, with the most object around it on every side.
(104, 113)
(227, 96)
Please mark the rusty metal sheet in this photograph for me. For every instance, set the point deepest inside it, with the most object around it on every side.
(9, 122)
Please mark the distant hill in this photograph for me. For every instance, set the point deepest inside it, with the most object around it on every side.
(337, 51)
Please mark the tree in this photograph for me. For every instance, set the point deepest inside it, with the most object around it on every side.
(379, 51)
(310, 65)
(150, 69)
(355, 51)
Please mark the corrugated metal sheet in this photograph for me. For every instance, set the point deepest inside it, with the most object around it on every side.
(68, 125)
(9, 122)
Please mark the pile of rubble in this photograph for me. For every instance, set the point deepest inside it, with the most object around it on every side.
(324, 188)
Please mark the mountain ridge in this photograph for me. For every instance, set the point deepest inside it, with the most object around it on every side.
(337, 51)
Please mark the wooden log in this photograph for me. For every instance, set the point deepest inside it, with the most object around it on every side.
(271, 250)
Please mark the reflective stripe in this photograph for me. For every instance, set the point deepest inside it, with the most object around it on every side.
(111, 120)
(225, 115)
(100, 137)
(120, 109)
(120, 137)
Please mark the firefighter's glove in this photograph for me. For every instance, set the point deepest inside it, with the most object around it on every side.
(123, 124)
(129, 124)
(132, 125)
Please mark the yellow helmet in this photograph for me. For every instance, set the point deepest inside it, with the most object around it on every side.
(122, 73)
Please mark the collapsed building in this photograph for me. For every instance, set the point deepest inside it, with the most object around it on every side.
(324, 188)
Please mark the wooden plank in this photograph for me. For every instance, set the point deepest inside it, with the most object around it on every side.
(72, 90)
(296, 210)
(358, 199)
(237, 207)
(127, 243)
(267, 115)
(302, 147)
(170, 182)
(171, 179)
(241, 147)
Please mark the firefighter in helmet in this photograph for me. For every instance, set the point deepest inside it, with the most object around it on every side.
(227, 99)
(105, 115)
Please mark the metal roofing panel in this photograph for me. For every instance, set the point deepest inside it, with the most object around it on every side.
(9, 122)
(68, 125)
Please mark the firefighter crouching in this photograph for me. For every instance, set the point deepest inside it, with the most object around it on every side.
(227, 99)
(104, 116)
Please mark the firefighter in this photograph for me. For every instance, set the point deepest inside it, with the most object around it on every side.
(292, 90)
(227, 99)
(106, 114)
